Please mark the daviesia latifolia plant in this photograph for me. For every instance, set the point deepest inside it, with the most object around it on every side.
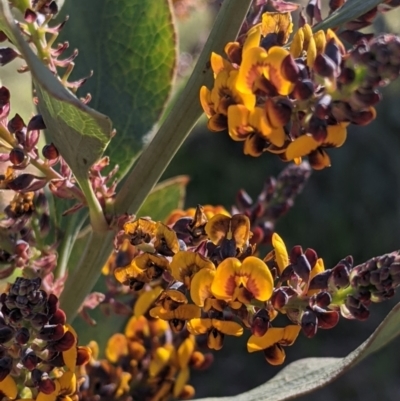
(81, 202)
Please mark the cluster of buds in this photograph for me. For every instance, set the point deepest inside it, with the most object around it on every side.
(203, 276)
(276, 198)
(39, 353)
(25, 218)
(299, 101)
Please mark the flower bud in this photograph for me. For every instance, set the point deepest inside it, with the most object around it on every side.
(17, 156)
(309, 323)
(7, 54)
(303, 89)
(50, 152)
(260, 323)
(324, 66)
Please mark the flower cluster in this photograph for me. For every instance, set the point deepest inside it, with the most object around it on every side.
(205, 277)
(39, 353)
(296, 100)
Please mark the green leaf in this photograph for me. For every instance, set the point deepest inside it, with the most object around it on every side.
(306, 375)
(131, 47)
(351, 10)
(79, 132)
(165, 197)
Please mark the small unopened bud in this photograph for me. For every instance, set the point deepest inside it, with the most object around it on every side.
(22, 336)
(289, 68)
(279, 298)
(30, 360)
(323, 299)
(317, 127)
(303, 89)
(30, 16)
(320, 281)
(323, 107)
(47, 386)
(53, 332)
(7, 54)
(309, 323)
(340, 276)
(324, 66)
(36, 123)
(50, 152)
(333, 52)
(17, 156)
(27, 183)
(5, 367)
(328, 319)
(6, 334)
(260, 323)
(243, 199)
(302, 268)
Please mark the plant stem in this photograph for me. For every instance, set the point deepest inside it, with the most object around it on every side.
(85, 275)
(67, 243)
(183, 115)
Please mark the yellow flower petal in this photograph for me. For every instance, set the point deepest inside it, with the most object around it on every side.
(215, 339)
(185, 351)
(145, 300)
(137, 327)
(250, 69)
(256, 278)
(311, 52)
(337, 135)
(166, 239)
(332, 35)
(49, 397)
(200, 286)
(290, 333)
(199, 326)
(275, 355)
(186, 264)
(320, 41)
(238, 122)
(296, 47)
(180, 381)
(228, 327)
(123, 385)
(257, 118)
(68, 383)
(279, 23)
(224, 284)
(205, 101)
(255, 145)
(281, 255)
(301, 146)
(253, 38)
(8, 387)
(272, 70)
(270, 338)
(218, 63)
(319, 159)
(161, 357)
(117, 346)
(186, 312)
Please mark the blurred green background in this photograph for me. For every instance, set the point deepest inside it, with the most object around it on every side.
(351, 208)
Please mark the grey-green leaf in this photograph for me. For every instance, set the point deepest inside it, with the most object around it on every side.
(80, 133)
(164, 198)
(131, 47)
(306, 375)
